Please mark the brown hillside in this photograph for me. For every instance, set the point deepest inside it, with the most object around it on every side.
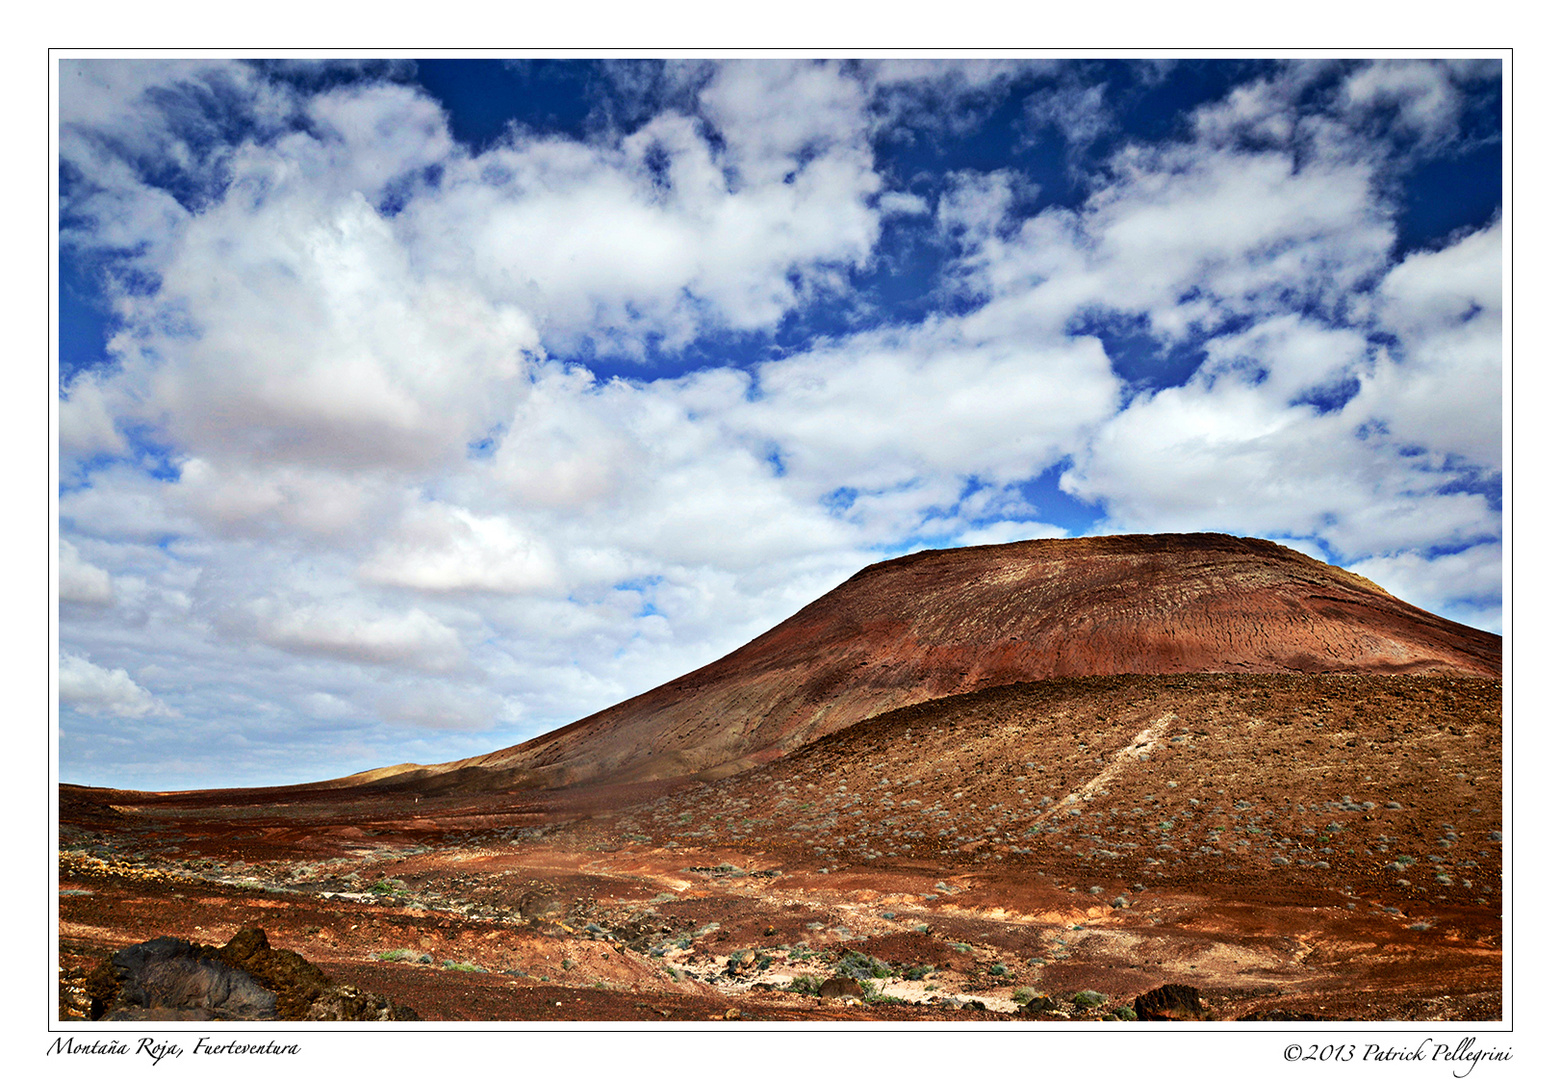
(937, 623)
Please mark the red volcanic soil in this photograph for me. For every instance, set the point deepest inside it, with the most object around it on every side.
(948, 622)
(1326, 846)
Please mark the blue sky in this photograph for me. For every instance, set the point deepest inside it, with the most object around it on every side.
(410, 409)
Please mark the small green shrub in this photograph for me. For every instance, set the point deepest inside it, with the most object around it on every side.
(804, 984)
(400, 955)
(1025, 994)
(855, 965)
(1089, 999)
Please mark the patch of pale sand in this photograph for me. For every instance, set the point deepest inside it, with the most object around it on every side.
(82, 932)
(1141, 746)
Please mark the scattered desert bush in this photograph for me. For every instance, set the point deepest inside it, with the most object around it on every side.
(854, 965)
(399, 955)
(805, 984)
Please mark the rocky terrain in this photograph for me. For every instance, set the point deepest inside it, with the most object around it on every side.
(1293, 813)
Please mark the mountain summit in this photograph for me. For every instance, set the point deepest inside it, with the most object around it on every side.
(937, 623)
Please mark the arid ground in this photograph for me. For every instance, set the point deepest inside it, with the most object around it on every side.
(1291, 845)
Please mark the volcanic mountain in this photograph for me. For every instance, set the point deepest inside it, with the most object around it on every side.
(939, 623)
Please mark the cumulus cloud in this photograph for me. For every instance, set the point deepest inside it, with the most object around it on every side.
(88, 688)
(80, 581)
(1445, 308)
(441, 708)
(448, 549)
(879, 411)
(352, 632)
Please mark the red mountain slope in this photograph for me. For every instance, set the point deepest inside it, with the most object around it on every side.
(945, 622)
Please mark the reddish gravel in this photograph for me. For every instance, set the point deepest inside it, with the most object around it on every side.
(1331, 846)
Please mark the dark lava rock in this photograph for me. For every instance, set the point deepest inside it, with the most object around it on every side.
(350, 1003)
(172, 979)
(974, 1006)
(1282, 1016)
(1171, 1002)
(246, 979)
(840, 987)
(295, 981)
(1038, 1005)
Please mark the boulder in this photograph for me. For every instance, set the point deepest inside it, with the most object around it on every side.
(841, 987)
(1036, 1006)
(169, 978)
(350, 1003)
(1172, 1001)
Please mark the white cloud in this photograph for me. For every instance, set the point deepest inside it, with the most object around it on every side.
(353, 632)
(448, 549)
(771, 112)
(1422, 95)
(880, 410)
(902, 204)
(314, 340)
(94, 690)
(441, 708)
(87, 419)
(80, 581)
(378, 134)
(1079, 112)
(1446, 308)
(1225, 454)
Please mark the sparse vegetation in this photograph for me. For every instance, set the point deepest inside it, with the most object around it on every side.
(855, 965)
(805, 984)
(406, 956)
